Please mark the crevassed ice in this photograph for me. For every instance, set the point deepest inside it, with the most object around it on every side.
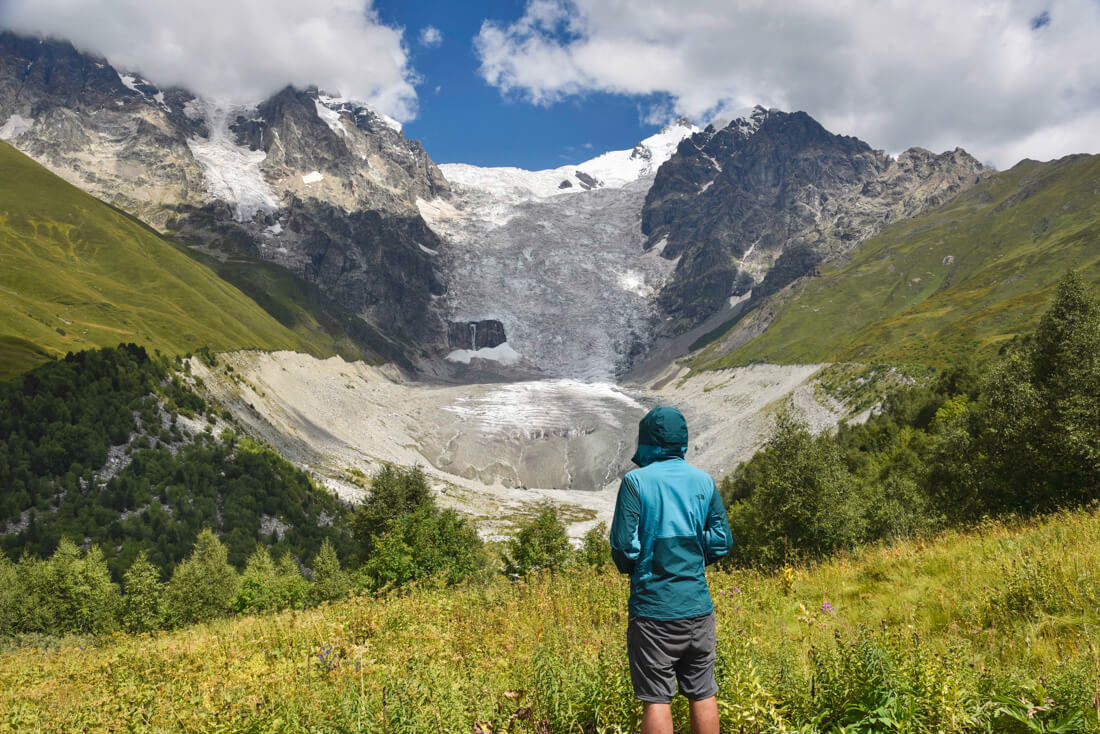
(546, 407)
(232, 172)
(566, 276)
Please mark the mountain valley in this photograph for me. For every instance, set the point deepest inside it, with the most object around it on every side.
(506, 328)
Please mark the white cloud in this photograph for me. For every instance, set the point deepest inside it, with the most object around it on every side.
(430, 36)
(995, 76)
(236, 50)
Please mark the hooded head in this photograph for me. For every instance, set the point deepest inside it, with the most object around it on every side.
(662, 434)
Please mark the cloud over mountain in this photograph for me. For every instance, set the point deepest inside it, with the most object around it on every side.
(240, 51)
(1004, 78)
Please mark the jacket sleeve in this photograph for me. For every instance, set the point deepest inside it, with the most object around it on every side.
(625, 545)
(719, 540)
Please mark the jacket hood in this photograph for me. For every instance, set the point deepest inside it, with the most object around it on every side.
(662, 434)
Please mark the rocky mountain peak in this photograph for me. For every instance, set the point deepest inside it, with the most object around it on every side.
(324, 186)
(731, 201)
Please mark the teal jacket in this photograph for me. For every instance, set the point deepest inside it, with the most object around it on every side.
(669, 524)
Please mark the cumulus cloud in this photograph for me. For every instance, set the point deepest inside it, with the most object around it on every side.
(237, 50)
(1003, 78)
(430, 36)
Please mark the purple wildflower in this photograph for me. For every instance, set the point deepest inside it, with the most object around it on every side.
(826, 607)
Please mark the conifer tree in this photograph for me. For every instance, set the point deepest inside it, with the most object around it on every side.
(292, 590)
(143, 601)
(329, 580)
(204, 586)
(11, 590)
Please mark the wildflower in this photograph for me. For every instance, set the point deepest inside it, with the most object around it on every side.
(826, 607)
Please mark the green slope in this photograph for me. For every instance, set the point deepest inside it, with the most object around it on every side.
(79, 274)
(953, 282)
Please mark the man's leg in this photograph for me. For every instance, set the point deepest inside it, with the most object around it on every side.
(657, 718)
(704, 716)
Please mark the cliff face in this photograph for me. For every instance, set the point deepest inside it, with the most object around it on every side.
(763, 201)
(324, 186)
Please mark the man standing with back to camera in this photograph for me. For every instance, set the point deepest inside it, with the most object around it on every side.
(669, 525)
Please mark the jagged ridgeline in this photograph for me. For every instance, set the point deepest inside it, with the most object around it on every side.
(112, 447)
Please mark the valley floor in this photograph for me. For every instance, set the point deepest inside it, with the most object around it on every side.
(960, 633)
(496, 450)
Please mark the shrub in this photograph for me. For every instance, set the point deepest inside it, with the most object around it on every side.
(795, 496)
(426, 542)
(394, 491)
(595, 548)
(257, 592)
(204, 586)
(541, 544)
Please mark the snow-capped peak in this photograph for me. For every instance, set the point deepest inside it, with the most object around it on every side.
(329, 109)
(613, 169)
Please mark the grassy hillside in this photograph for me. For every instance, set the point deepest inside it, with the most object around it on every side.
(969, 632)
(304, 309)
(955, 281)
(78, 274)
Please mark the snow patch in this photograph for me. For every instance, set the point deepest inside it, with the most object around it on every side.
(193, 109)
(619, 167)
(427, 250)
(390, 122)
(274, 230)
(14, 127)
(634, 282)
(232, 172)
(330, 117)
(734, 300)
(130, 82)
(502, 353)
(313, 177)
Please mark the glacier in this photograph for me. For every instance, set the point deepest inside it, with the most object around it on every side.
(561, 267)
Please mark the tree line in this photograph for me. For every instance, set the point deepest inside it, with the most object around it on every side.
(1020, 435)
(400, 533)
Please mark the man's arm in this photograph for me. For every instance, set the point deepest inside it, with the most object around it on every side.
(719, 540)
(625, 545)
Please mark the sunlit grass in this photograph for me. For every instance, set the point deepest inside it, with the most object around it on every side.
(1001, 609)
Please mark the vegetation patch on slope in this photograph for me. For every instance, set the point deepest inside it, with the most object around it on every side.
(79, 274)
(108, 447)
(1018, 435)
(941, 287)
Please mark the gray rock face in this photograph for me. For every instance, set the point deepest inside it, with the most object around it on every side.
(323, 186)
(766, 199)
(475, 335)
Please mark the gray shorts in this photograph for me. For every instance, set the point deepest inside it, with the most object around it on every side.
(664, 653)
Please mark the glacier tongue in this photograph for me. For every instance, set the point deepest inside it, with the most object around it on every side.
(232, 172)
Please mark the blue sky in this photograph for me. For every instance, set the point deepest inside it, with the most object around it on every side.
(462, 119)
(540, 83)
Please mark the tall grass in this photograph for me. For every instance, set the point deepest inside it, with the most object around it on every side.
(995, 629)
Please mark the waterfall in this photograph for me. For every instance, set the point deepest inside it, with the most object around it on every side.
(473, 336)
